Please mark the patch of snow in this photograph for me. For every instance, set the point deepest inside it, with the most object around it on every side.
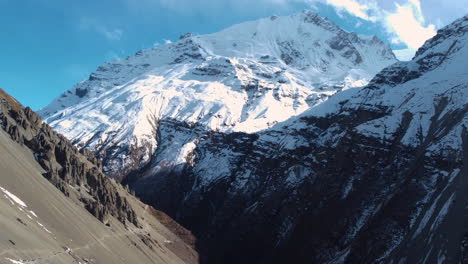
(14, 200)
(15, 261)
(31, 212)
(43, 227)
(342, 256)
(404, 54)
(443, 212)
(296, 175)
(360, 221)
(347, 189)
(214, 166)
(441, 258)
(393, 243)
(428, 215)
(12, 197)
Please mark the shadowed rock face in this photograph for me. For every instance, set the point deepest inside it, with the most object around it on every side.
(375, 175)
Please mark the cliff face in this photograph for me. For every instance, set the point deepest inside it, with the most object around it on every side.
(128, 231)
(64, 165)
(372, 175)
(288, 153)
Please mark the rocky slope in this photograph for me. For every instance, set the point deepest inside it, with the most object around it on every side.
(254, 154)
(46, 224)
(372, 175)
(245, 78)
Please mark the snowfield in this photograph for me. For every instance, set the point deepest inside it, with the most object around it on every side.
(245, 78)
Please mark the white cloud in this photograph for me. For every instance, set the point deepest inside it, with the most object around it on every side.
(354, 7)
(403, 20)
(407, 25)
(113, 34)
(91, 24)
(163, 42)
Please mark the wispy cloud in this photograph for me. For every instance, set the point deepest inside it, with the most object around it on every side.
(407, 25)
(403, 20)
(356, 8)
(93, 25)
(212, 7)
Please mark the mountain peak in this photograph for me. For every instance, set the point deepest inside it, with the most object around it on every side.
(445, 50)
(247, 77)
(456, 30)
(309, 16)
(371, 175)
(186, 35)
(309, 37)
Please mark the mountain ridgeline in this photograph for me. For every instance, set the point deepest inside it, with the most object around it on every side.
(64, 164)
(245, 78)
(32, 152)
(289, 140)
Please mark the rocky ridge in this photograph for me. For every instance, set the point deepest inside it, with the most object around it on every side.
(245, 78)
(77, 174)
(373, 174)
(64, 165)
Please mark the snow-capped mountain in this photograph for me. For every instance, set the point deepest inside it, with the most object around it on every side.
(245, 78)
(256, 157)
(372, 175)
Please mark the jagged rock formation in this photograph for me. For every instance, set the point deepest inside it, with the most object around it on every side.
(65, 166)
(373, 175)
(245, 78)
(51, 224)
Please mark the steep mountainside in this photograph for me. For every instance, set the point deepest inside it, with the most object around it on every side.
(372, 175)
(245, 78)
(46, 186)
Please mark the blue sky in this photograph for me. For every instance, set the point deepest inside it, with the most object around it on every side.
(46, 46)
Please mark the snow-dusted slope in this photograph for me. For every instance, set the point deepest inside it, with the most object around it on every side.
(245, 78)
(372, 175)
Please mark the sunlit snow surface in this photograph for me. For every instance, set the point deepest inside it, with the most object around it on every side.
(245, 78)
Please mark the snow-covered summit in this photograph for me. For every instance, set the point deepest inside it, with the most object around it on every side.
(375, 174)
(245, 78)
(428, 95)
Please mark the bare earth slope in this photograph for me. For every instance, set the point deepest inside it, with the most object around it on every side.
(43, 223)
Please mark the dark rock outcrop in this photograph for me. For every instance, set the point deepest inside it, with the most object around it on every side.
(380, 178)
(64, 165)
